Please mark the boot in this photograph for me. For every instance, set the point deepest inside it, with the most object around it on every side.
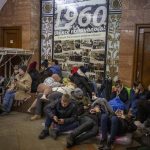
(70, 141)
(54, 133)
(44, 134)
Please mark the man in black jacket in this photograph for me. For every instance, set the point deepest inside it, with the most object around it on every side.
(63, 114)
(120, 91)
(88, 126)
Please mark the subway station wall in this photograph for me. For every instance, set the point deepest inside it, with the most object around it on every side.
(26, 14)
(133, 12)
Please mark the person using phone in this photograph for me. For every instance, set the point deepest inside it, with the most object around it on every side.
(63, 114)
(19, 89)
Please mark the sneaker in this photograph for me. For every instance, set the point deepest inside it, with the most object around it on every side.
(53, 133)
(70, 141)
(44, 134)
(35, 117)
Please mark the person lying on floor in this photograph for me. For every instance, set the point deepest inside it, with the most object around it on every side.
(88, 125)
(55, 94)
(114, 125)
(82, 81)
(48, 84)
(63, 114)
(19, 89)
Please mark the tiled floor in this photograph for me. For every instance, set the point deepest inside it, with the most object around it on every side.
(17, 132)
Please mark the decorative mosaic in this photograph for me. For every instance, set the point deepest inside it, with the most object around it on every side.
(47, 8)
(115, 4)
(113, 45)
(46, 29)
(46, 37)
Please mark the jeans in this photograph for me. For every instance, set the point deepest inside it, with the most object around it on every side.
(51, 97)
(8, 100)
(87, 128)
(111, 125)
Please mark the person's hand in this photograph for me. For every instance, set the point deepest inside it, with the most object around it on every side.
(10, 89)
(92, 111)
(55, 118)
(136, 90)
(86, 107)
(60, 121)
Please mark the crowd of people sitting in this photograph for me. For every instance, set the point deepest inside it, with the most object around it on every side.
(73, 104)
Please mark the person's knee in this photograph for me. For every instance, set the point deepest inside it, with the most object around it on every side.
(104, 117)
(114, 119)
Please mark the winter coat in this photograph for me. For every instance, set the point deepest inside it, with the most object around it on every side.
(123, 95)
(55, 109)
(35, 76)
(82, 82)
(23, 87)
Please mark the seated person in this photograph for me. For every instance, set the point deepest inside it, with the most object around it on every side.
(35, 76)
(137, 94)
(115, 125)
(120, 91)
(19, 90)
(143, 113)
(80, 79)
(80, 99)
(63, 114)
(48, 84)
(55, 67)
(88, 127)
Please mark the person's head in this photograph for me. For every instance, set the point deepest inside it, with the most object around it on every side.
(118, 85)
(74, 70)
(83, 69)
(77, 93)
(54, 62)
(140, 87)
(65, 100)
(97, 108)
(135, 84)
(56, 77)
(32, 66)
(16, 69)
(22, 69)
(44, 64)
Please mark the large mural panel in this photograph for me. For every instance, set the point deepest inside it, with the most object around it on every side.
(80, 35)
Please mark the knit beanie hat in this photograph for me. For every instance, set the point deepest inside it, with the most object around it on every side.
(32, 65)
(23, 67)
(74, 70)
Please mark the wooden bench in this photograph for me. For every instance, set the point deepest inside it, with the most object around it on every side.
(24, 105)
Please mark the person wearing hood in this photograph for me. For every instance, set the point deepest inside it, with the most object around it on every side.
(35, 76)
(82, 82)
(83, 102)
